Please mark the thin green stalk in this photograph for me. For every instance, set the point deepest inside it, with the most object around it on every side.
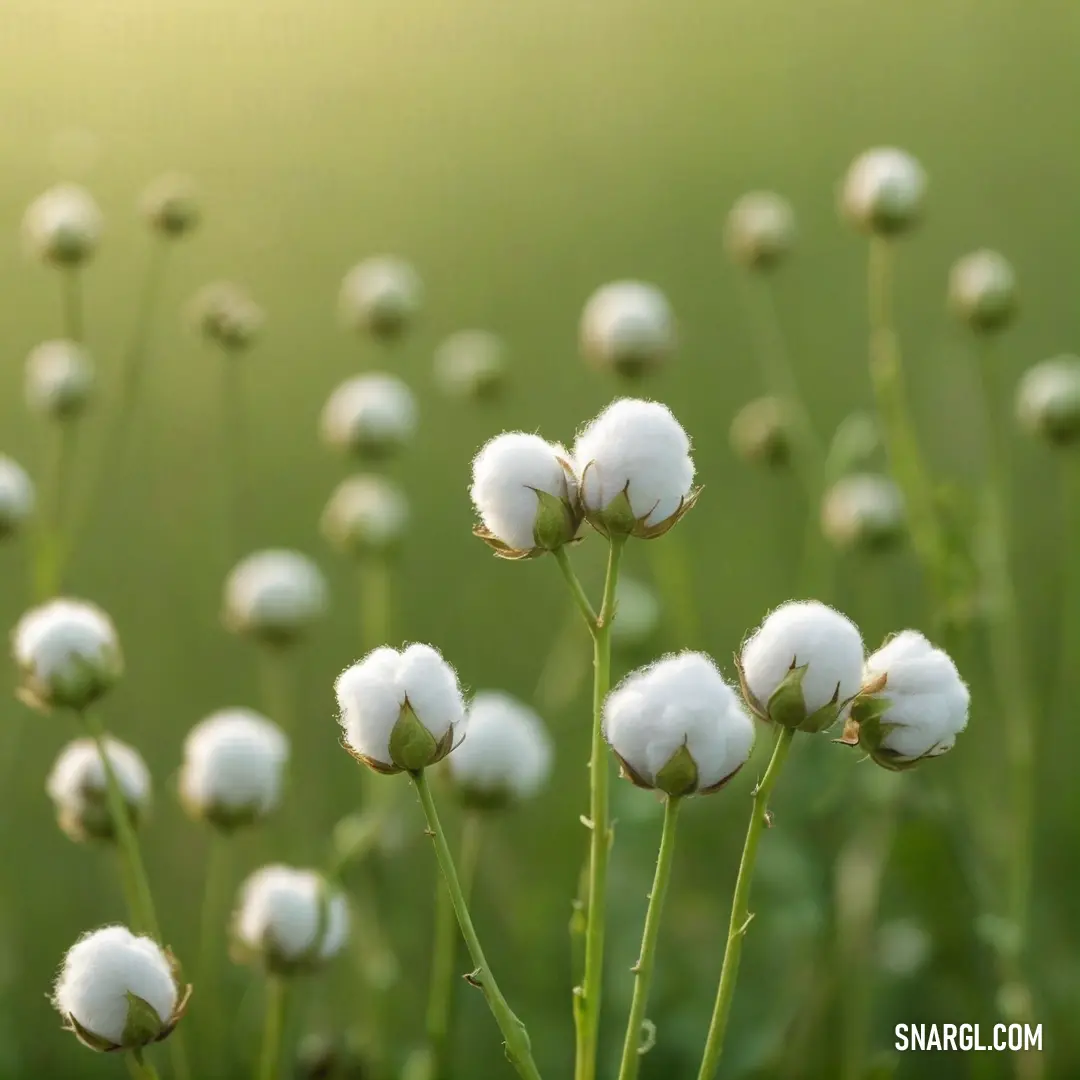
(277, 685)
(643, 969)
(71, 303)
(51, 534)
(141, 1066)
(234, 450)
(273, 1029)
(576, 590)
(740, 907)
(375, 601)
(516, 1038)
(212, 945)
(1069, 585)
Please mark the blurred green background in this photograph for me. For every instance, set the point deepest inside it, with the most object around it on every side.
(521, 154)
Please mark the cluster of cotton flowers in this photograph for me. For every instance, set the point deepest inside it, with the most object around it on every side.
(365, 514)
(760, 433)
(471, 364)
(289, 921)
(371, 416)
(226, 314)
(381, 296)
(59, 379)
(62, 226)
(68, 655)
(760, 230)
(883, 192)
(983, 291)
(274, 596)
(863, 511)
(16, 496)
(1048, 400)
(233, 768)
(119, 991)
(170, 206)
(627, 327)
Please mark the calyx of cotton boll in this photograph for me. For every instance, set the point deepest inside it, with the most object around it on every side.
(627, 327)
(289, 921)
(471, 364)
(225, 314)
(63, 226)
(233, 768)
(370, 416)
(802, 667)
(983, 291)
(16, 497)
(506, 757)
(274, 596)
(119, 991)
(366, 514)
(78, 789)
(913, 703)
(884, 191)
(761, 433)
(634, 470)
(760, 230)
(170, 206)
(400, 711)
(864, 512)
(677, 727)
(68, 655)
(524, 490)
(381, 296)
(1048, 400)
(59, 380)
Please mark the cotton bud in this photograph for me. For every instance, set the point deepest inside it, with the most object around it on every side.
(366, 514)
(227, 315)
(634, 469)
(864, 511)
(59, 380)
(1048, 400)
(983, 291)
(883, 192)
(170, 206)
(400, 711)
(118, 991)
(802, 666)
(913, 703)
(78, 789)
(760, 230)
(274, 596)
(371, 416)
(289, 921)
(471, 364)
(16, 496)
(676, 726)
(507, 755)
(761, 433)
(637, 609)
(68, 655)
(63, 226)
(627, 327)
(381, 296)
(233, 769)
(524, 491)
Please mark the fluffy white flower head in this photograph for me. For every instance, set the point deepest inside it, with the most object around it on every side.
(627, 327)
(290, 920)
(234, 765)
(170, 206)
(1048, 400)
(400, 711)
(634, 469)
(760, 432)
(366, 513)
(525, 493)
(983, 290)
(59, 379)
(99, 972)
(760, 230)
(68, 654)
(864, 511)
(226, 314)
(803, 665)
(63, 225)
(884, 191)
(274, 596)
(677, 726)
(507, 755)
(914, 704)
(471, 364)
(372, 416)
(381, 296)
(16, 496)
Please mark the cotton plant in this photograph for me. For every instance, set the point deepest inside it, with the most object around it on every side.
(370, 417)
(627, 328)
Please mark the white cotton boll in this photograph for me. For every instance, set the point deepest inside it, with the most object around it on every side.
(366, 514)
(381, 296)
(802, 666)
(471, 364)
(677, 726)
(525, 493)
(275, 596)
(99, 972)
(760, 230)
(884, 191)
(234, 768)
(1048, 400)
(226, 314)
(68, 654)
(170, 206)
(914, 702)
(400, 711)
(371, 416)
(637, 613)
(63, 225)
(59, 380)
(627, 327)
(507, 756)
(634, 469)
(16, 496)
(290, 920)
(983, 290)
(864, 511)
(760, 433)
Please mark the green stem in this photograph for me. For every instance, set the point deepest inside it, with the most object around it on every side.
(273, 1029)
(72, 305)
(576, 590)
(643, 969)
(141, 1066)
(51, 548)
(234, 450)
(516, 1038)
(212, 944)
(375, 602)
(1069, 597)
(740, 907)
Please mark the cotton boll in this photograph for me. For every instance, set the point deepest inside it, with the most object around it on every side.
(370, 416)
(1048, 400)
(677, 726)
(274, 596)
(983, 291)
(761, 433)
(225, 314)
(381, 296)
(68, 655)
(864, 511)
(884, 191)
(471, 364)
(802, 666)
(170, 206)
(63, 226)
(627, 327)
(507, 755)
(16, 497)
(59, 380)
(366, 514)
(760, 230)
(400, 711)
